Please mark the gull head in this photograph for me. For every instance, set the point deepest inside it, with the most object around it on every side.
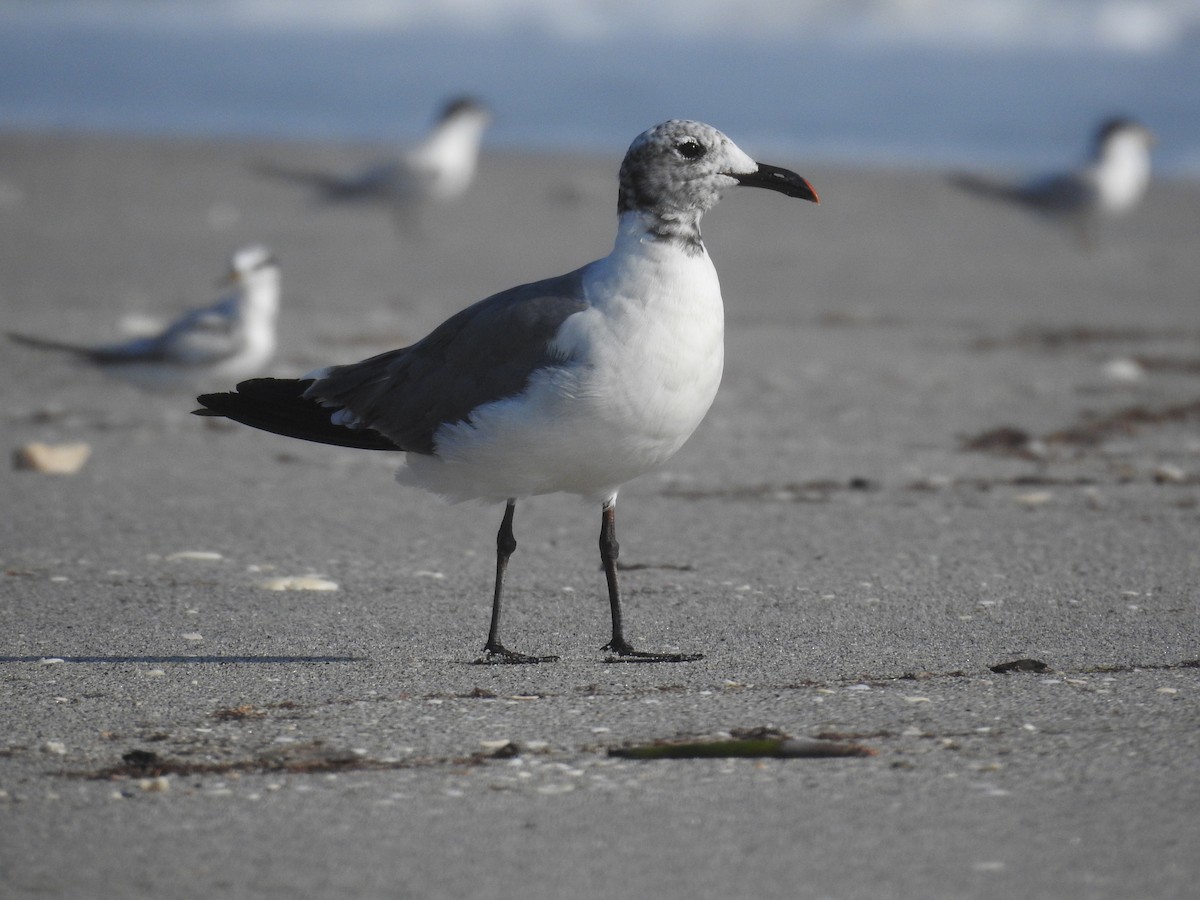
(677, 171)
(255, 271)
(467, 109)
(1122, 137)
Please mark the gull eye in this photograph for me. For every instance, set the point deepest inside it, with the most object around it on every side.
(690, 149)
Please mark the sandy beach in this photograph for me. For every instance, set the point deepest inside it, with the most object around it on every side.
(851, 539)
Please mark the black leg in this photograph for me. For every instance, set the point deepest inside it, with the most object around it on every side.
(494, 651)
(609, 551)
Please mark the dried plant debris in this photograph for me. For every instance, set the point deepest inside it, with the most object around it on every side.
(987, 484)
(1110, 668)
(669, 567)
(1005, 440)
(1178, 365)
(1094, 429)
(1058, 338)
(235, 713)
(314, 757)
(756, 743)
(816, 491)
(1021, 665)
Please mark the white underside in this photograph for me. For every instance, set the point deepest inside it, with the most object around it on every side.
(167, 375)
(646, 361)
(226, 345)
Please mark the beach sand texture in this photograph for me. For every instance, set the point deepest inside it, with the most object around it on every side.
(850, 538)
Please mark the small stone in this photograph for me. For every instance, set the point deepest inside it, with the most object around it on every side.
(551, 789)
(1033, 499)
(298, 583)
(1020, 665)
(1165, 473)
(199, 555)
(157, 785)
(58, 748)
(52, 459)
(1124, 370)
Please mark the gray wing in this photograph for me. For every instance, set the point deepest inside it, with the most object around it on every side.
(205, 336)
(485, 353)
(1054, 195)
(375, 181)
(1059, 194)
(199, 337)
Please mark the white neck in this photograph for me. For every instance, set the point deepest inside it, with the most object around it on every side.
(260, 299)
(1122, 171)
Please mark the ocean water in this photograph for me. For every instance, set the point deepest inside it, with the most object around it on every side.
(925, 83)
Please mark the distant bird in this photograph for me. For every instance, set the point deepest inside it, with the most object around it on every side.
(576, 384)
(438, 170)
(1111, 182)
(233, 338)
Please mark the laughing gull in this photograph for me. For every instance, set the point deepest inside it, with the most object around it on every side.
(438, 170)
(1111, 182)
(233, 338)
(575, 384)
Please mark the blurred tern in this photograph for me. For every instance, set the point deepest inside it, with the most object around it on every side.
(1111, 182)
(233, 338)
(436, 171)
(576, 384)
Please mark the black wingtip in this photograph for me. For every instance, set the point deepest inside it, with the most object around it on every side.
(279, 405)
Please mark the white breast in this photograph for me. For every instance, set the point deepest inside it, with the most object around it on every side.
(449, 157)
(1123, 173)
(645, 363)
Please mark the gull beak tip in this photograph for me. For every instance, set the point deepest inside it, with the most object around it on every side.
(785, 181)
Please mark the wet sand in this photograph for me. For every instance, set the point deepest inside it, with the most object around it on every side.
(850, 568)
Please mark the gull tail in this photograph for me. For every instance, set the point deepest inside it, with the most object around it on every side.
(278, 405)
(60, 346)
(324, 182)
(984, 187)
(138, 350)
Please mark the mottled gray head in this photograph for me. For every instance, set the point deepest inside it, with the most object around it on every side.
(677, 171)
